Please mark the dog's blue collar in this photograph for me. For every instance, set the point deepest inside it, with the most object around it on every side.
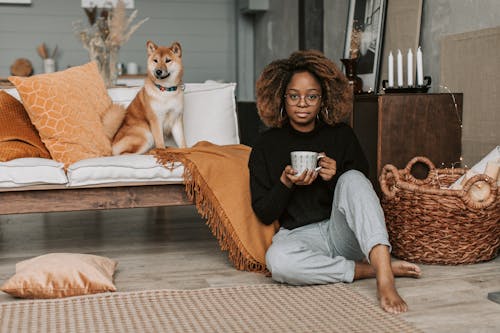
(174, 88)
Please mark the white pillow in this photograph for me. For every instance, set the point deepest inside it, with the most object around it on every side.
(31, 171)
(209, 111)
(122, 168)
(123, 96)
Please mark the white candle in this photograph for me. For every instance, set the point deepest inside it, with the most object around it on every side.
(391, 70)
(410, 68)
(400, 69)
(420, 70)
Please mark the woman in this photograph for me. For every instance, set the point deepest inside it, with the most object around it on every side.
(332, 226)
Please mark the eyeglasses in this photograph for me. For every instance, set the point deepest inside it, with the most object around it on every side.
(309, 99)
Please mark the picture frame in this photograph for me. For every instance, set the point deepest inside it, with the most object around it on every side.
(364, 37)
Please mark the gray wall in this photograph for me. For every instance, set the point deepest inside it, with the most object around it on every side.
(447, 17)
(205, 28)
(439, 18)
(208, 32)
(335, 26)
(276, 33)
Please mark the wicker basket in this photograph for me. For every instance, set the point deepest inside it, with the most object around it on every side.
(429, 223)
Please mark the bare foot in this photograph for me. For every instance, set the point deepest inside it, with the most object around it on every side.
(405, 269)
(389, 298)
(385, 270)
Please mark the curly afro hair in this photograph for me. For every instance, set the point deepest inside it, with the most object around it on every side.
(336, 95)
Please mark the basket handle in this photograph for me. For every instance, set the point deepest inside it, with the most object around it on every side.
(389, 171)
(467, 195)
(413, 161)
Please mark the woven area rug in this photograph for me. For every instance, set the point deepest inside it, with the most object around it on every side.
(252, 308)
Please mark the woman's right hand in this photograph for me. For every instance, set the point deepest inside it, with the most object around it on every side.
(289, 177)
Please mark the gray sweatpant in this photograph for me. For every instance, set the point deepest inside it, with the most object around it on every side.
(324, 252)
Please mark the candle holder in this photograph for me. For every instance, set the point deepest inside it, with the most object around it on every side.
(411, 89)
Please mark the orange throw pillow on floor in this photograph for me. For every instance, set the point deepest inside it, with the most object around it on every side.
(66, 108)
(18, 137)
(57, 275)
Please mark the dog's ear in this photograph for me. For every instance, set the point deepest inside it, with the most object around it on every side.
(176, 48)
(151, 47)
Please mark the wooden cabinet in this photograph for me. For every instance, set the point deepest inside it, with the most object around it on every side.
(394, 128)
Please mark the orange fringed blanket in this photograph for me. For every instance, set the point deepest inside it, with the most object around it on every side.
(217, 179)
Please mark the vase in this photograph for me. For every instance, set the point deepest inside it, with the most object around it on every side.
(355, 81)
(109, 70)
(107, 59)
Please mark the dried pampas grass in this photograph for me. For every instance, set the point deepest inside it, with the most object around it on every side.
(111, 26)
(119, 25)
(105, 33)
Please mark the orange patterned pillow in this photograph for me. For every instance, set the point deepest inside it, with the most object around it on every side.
(66, 108)
(18, 136)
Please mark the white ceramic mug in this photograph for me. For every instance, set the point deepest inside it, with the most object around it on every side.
(302, 160)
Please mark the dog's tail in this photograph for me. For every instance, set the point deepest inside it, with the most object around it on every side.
(112, 119)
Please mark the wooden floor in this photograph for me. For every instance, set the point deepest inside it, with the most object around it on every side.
(172, 248)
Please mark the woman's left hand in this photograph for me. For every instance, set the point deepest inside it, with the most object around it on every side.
(328, 167)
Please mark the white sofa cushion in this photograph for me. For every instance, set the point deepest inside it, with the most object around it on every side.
(31, 171)
(124, 95)
(122, 169)
(209, 111)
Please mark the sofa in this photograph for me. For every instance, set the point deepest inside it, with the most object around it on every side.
(34, 184)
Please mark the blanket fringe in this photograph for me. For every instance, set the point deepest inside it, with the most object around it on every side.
(209, 208)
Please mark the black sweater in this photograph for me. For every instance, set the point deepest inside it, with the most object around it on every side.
(300, 205)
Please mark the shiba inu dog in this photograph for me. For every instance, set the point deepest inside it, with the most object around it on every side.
(156, 111)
